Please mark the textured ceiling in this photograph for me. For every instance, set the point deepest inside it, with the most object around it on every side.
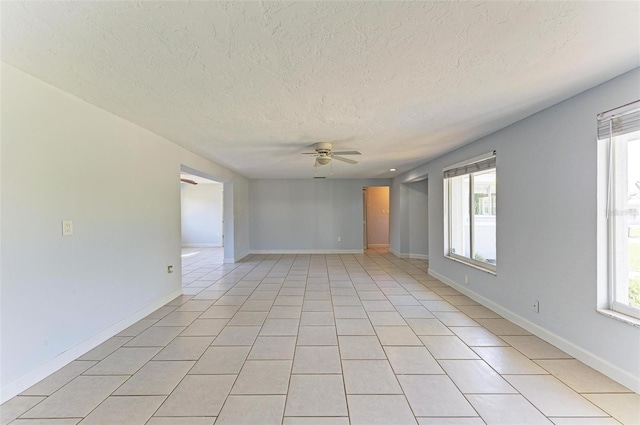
(251, 85)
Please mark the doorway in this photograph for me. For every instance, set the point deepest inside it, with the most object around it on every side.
(375, 217)
(201, 206)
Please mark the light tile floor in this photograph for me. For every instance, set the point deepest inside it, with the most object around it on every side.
(322, 339)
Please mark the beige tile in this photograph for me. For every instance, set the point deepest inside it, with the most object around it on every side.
(280, 327)
(360, 347)
(414, 312)
(438, 306)
(77, 398)
(478, 312)
(220, 312)
(506, 409)
(451, 421)
(66, 421)
(235, 300)
(454, 318)
(205, 327)
(57, 380)
(155, 337)
(221, 361)
(369, 377)
(397, 335)
(623, 407)
(476, 336)
(156, 420)
(273, 348)
(380, 410)
(248, 318)
(317, 318)
(354, 327)
(195, 305)
(263, 377)
(257, 306)
(535, 348)
(185, 348)
(412, 361)
(428, 327)
(312, 305)
(124, 361)
(16, 406)
(198, 395)
(584, 421)
(317, 335)
(316, 395)
(237, 335)
(475, 376)
(508, 360)
(502, 327)
(313, 360)
(285, 312)
(316, 421)
(581, 377)
(386, 318)
(124, 410)
(342, 301)
(106, 348)
(370, 306)
(349, 312)
(252, 409)
(459, 300)
(552, 397)
(434, 395)
(179, 318)
(155, 378)
(447, 347)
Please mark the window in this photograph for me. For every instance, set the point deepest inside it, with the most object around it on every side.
(470, 212)
(620, 130)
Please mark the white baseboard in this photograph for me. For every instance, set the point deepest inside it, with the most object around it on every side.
(378, 245)
(612, 371)
(419, 256)
(16, 387)
(201, 245)
(307, 251)
(229, 260)
(408, 255)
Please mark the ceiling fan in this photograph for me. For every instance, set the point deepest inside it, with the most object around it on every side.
(324, 154)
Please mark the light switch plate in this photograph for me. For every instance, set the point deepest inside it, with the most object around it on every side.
(67, 228)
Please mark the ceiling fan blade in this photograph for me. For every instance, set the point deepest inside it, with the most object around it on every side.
(347, 153)
(188, 181)
(347, 160)
(309, 153)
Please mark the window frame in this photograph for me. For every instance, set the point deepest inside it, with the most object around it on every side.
(447, 187)
(614, 127)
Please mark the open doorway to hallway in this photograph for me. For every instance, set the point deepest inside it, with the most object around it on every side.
(376, 217)
(201, 212)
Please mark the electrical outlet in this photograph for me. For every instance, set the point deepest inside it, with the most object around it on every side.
(169, 269)
(536, 306)
(339, 239)
(67, 228)
(466, 279)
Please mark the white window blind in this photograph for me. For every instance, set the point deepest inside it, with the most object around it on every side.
(619, 121)
(486, 163)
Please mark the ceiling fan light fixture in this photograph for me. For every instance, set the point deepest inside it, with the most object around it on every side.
(323, 160)
(393, 169)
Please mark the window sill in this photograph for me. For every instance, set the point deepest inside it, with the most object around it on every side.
(470, 264)
(619, 316)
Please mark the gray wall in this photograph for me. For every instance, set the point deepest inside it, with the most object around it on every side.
(418, 233)
(61, 296)
(307, 215)
(409, 224)
(546, 236)
(201, 214)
